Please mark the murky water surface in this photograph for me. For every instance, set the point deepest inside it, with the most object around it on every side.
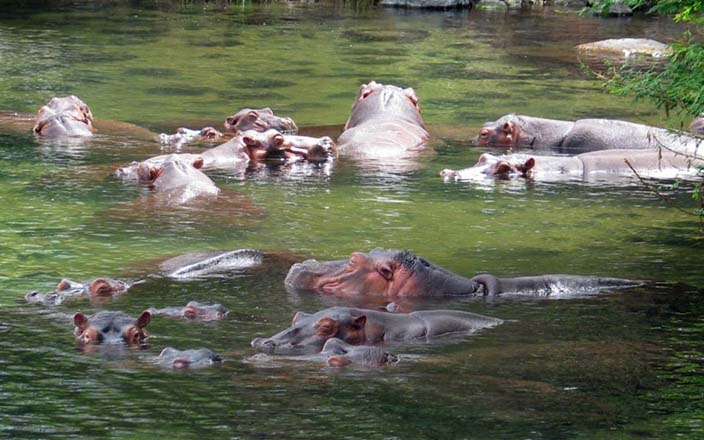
(623, 364)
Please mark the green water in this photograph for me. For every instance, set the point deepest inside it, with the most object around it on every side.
(621, 365)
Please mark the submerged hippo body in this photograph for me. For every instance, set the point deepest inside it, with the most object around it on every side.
(111, 327)
(194, 358)
(385, 125)
(395, 273)
(203, 264)
(193, 311)
(338, 353)
(65, 116)
(259, 120)
(596, 165)
(309, 332)
(581, 136)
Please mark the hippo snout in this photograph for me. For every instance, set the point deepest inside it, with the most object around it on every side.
(448, 174)
(264, 345)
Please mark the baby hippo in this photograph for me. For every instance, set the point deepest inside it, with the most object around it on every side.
(341, 354)
(67, 289)
(193, 310)
(108, 327)
(66, 116)
(185, 135)
(200, 358)
(259, 120)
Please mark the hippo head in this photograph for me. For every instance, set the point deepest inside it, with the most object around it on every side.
(341, 354)
(209, 134)
(210, 312)
(387, 272)
(105, 287)
(379, 101)
(264, 145)
(174, 170)
(111, 327)
(490, 166)
(260, 120)
(505, 132)
(312, 149)
(66, 116)
(309, 332)
(199, 358)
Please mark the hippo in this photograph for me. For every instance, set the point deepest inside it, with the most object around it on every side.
(179, 181)
(385, 125)
(260, 120)
(309, 332)
(130, 172)
(195, 358)
(394, 273)
(273, 145)
(65, 116)
(599, 165)
(111, 327)
(309, 148)
(185, 135)
(338, 353)
(67, 289)
(193, 311)
(581, 136)
(201, 264)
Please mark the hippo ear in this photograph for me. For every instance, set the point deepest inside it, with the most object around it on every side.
(338, 361)
(64, 284)
(80, 321)
(298, 316)
(198, 163)
(277, 140)
(411, 95)
(267, 110)
(326, 327)
(527, 166)
(143, 319)
(248, 140)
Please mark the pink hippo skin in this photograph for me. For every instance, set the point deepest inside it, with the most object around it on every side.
(395, 273)
(581, 136)
(596, 165)
(259, 120)
(66, 116)
(385, 128)
(177, 180)
(309, 332)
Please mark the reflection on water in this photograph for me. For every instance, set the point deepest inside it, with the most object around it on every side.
(623, 362)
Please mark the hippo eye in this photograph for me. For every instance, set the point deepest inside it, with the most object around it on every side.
(232, 121)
